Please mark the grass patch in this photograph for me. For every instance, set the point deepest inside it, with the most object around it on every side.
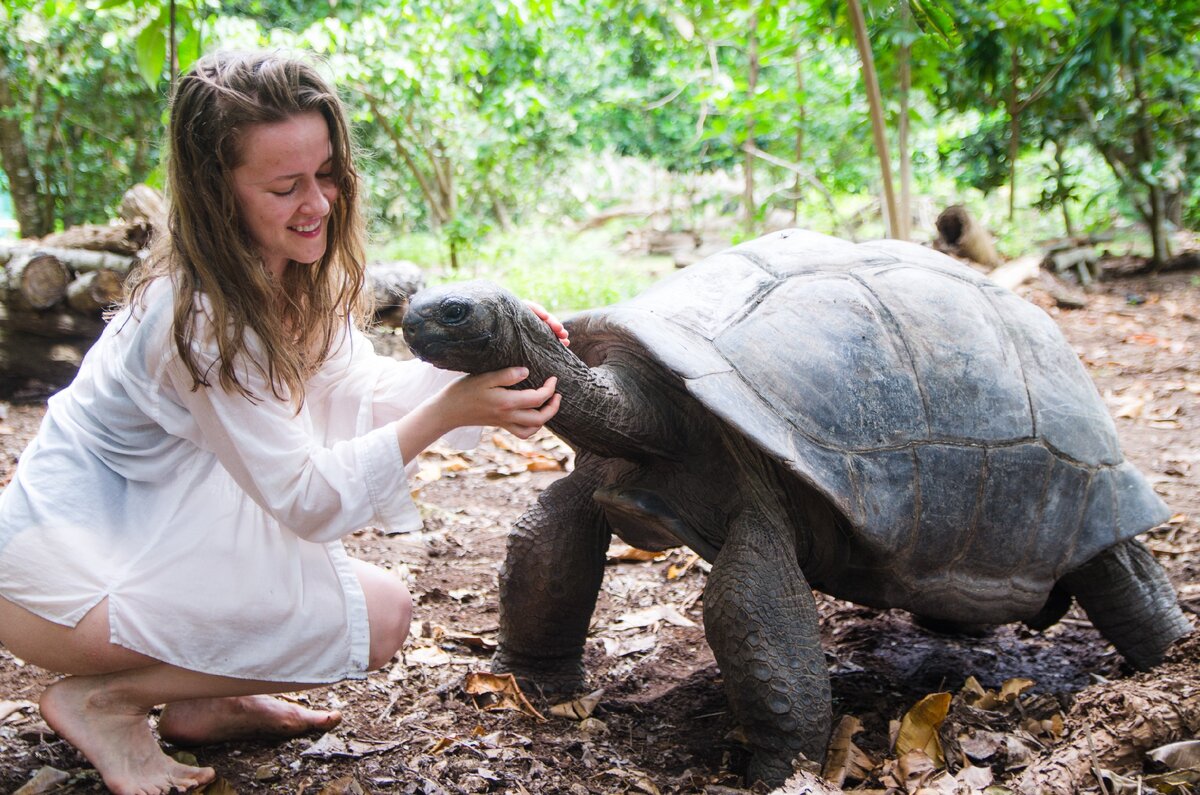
(565, 273)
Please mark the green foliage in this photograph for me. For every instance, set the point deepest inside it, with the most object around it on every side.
(89, 124)
(477, 117)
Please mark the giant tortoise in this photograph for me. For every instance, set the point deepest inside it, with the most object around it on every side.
(876, 421)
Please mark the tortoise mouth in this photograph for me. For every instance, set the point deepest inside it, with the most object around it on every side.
(439, 351)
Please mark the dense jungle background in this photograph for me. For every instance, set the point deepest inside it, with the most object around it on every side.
(577, 151)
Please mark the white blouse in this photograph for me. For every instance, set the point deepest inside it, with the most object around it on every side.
(212, 523)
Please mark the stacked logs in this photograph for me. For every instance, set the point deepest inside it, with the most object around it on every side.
(54, 293)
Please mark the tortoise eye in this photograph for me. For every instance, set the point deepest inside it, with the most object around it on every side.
(455, 312)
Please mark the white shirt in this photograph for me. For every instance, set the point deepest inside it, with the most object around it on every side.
(212, 523)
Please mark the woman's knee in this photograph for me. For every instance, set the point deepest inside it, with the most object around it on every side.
(389, 612)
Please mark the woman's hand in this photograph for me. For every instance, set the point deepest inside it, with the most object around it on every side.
(485, 399)
(481, 399)
(550, 320)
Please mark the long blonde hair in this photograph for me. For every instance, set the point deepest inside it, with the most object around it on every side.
(208, 250)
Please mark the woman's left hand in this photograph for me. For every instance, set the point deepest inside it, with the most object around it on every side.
(550, 320)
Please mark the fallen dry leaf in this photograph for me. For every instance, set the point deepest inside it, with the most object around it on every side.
(649, 617)
(675, 572)
(1011, 689)
(1177, 756)
(493, 692)
(636, 779)
(624, 553)
(347, 785)
(845, 761)
(980, 745)
(543, 463)
(919, 728)
(218, 786)
(622, 647)
(580, 708)
(330, 746)
(430, 656)
(44, 780)
(8, 708)
(471, 640)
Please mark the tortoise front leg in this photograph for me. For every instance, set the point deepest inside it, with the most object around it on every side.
(1129, 599)
(761, 622)
(549, 583)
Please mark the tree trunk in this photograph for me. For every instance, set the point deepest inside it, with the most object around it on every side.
(28, 202)
(1144, 146)
(904, 227)
(871, 81)
(748, 159)
(1061, 178)
(800, 122)
(1014, 134)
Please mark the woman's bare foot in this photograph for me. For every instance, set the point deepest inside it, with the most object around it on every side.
(217, 720)
(115, 737)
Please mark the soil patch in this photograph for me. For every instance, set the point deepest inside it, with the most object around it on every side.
(662, 724)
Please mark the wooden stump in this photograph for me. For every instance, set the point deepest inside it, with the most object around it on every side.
(964, 235)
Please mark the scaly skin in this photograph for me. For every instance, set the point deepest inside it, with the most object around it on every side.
(548, 586)
(1128, 598)
(760, 619)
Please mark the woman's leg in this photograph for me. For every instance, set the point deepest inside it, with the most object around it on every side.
(101, 709)
(202, 721)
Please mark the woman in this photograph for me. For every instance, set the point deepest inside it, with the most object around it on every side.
(172, 535)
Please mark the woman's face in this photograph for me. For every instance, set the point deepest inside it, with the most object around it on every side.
(285, 188)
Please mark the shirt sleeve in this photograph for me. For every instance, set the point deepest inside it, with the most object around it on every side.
(316, 487)
(386, 389)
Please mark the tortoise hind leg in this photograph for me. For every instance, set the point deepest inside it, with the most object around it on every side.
(1128, 598)
(761, 622)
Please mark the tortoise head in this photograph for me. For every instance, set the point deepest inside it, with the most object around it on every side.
(473, 327)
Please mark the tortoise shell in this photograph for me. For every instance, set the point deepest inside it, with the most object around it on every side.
(946, 419)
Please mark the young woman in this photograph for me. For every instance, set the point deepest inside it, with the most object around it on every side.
(172, 534)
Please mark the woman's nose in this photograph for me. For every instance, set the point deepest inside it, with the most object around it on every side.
(318, 198)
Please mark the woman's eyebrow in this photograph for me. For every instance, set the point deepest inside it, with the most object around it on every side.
(328, 163)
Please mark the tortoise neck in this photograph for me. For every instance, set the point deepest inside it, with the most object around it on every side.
(606, 409)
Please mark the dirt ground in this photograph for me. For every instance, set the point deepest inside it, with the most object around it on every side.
(661, 724)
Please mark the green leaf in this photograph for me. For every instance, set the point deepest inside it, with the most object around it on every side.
(151, 49)
(932, 15)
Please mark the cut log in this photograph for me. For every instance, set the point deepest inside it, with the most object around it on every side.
(1084, 260)
(95, 291)
(1016, 272)
(959, 230)
(36, 280)
(79, 260)
(127, 238)
(391, 285)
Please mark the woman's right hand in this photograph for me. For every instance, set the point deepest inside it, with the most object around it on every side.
(485, 399)
(482, 399)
